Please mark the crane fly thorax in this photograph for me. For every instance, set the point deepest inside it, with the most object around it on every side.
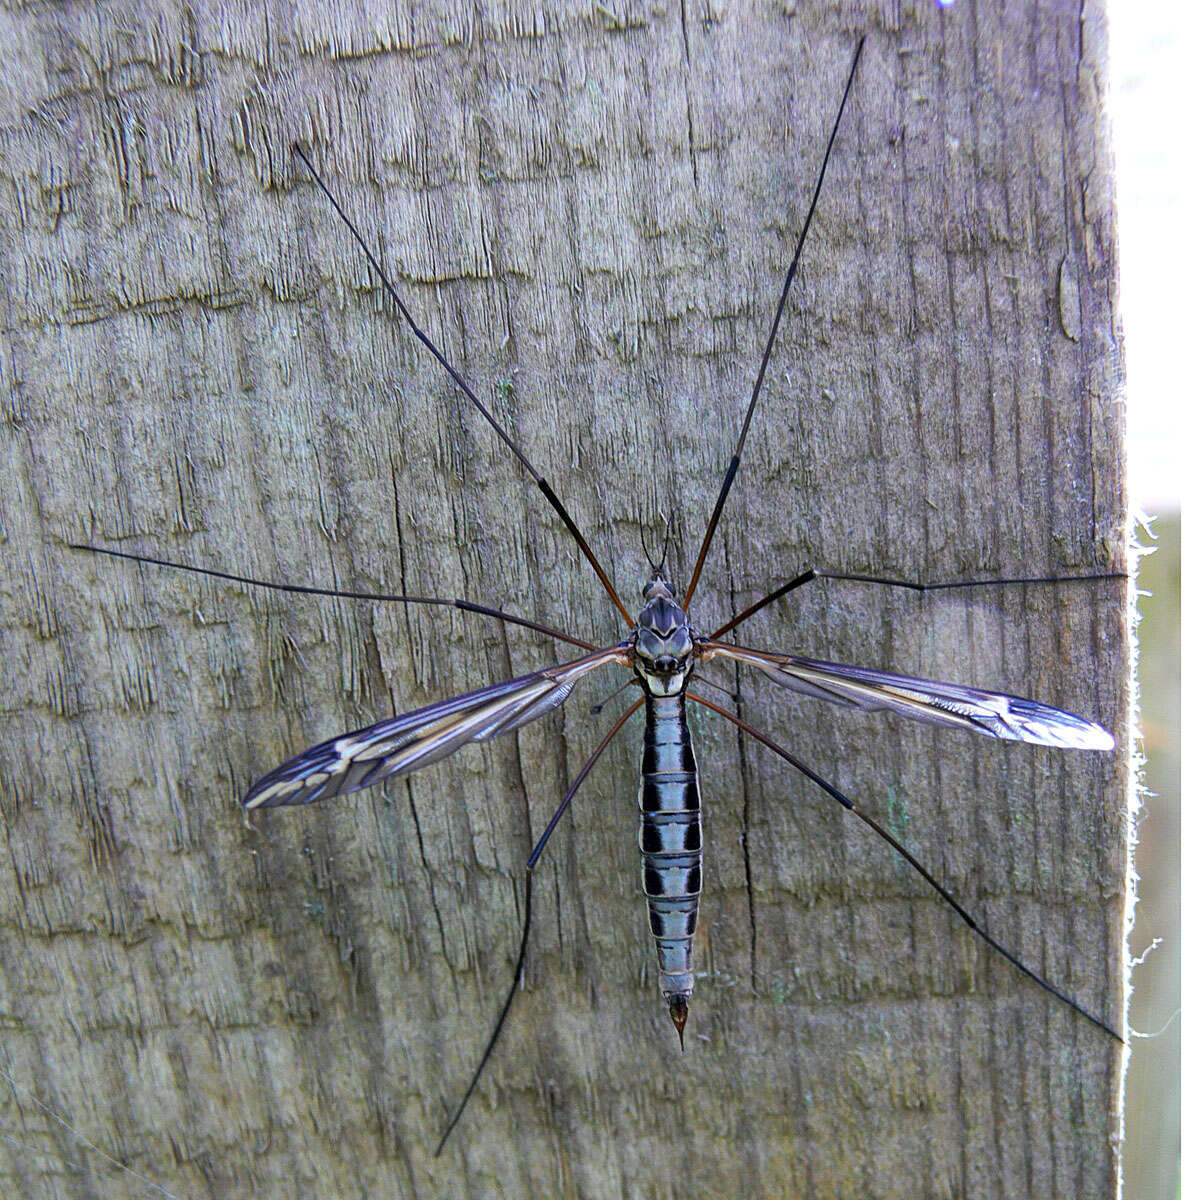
(662, 641)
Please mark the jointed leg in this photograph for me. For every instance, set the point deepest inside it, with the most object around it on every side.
(529, 866)
(732, 469)
(815, 573)
(970, 921)
(337, 593)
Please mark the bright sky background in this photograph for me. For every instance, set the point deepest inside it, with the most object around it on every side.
(1154, 51)
(1155, 58)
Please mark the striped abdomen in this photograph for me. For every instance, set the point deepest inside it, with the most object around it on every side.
(669, 799)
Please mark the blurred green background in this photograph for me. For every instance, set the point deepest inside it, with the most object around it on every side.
(1152, 1109)
(1152, 101)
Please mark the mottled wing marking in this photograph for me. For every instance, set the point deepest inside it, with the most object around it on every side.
(416, 739)
(990, 713)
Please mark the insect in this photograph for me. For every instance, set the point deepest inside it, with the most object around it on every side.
(661, 650)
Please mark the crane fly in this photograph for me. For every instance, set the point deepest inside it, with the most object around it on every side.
(661, 650)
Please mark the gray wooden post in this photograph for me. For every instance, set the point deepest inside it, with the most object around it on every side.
(591, 208)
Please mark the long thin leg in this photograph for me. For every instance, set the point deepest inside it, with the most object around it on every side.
(731, 470)
(529, 867)
(778, 593)
(815, 573)
(970, 921)
(465, 388)
(338, 593)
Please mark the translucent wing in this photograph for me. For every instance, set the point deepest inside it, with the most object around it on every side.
(416, 739)
(989, 713)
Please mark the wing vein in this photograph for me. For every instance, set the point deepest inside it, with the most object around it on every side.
(993, 714)
(415, 739)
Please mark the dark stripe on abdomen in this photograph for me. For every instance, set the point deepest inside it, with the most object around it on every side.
(669, 799)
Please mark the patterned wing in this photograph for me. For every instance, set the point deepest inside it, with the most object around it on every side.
(989, 713)
(416, 739)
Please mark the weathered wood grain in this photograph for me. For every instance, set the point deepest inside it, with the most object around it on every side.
(591, 207)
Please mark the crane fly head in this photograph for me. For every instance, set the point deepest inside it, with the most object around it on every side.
(662, 640)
